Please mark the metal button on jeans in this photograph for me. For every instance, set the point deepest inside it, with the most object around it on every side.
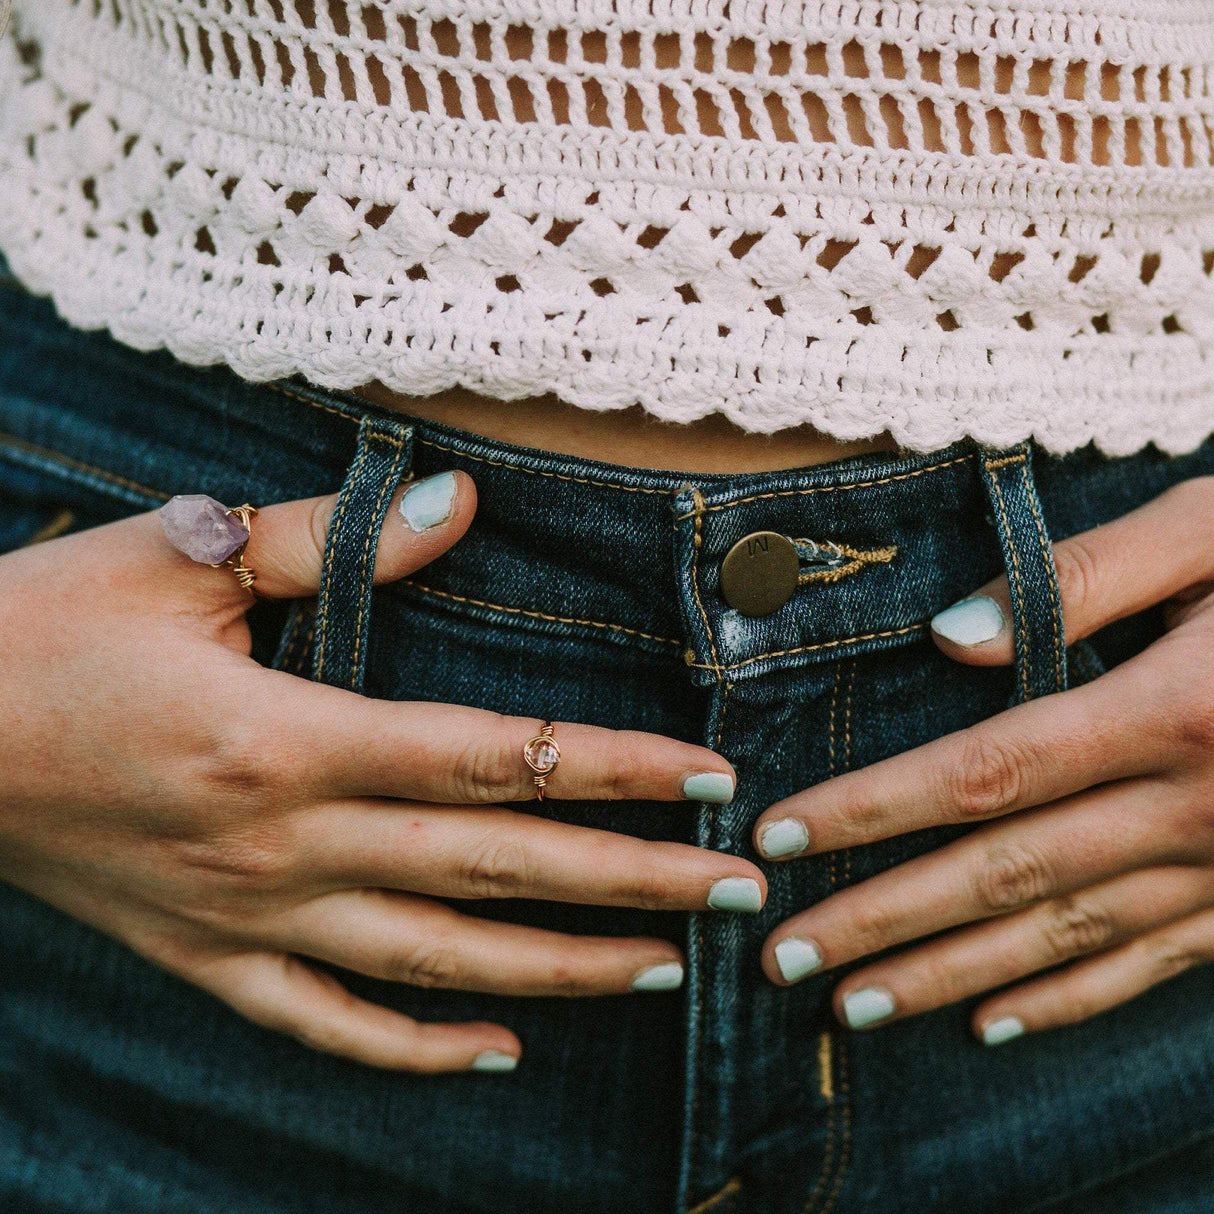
(759, 573)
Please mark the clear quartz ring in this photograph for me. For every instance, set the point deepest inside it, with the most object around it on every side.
(542, 754)
(210, 533)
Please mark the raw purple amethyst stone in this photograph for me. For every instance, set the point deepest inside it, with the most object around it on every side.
(202, 528)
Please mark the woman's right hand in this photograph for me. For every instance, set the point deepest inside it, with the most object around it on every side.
(228, 822)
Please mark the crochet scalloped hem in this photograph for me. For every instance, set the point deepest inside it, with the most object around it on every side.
(989, 220)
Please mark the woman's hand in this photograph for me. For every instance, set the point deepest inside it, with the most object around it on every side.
(1100, 851)
(226, 821)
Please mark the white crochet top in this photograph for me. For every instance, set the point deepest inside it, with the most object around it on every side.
(931, 217)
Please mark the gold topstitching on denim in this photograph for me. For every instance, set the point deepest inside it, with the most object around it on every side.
(696, 544)
(869, 484)
(784, 653)
(61, 523)
(1051, 577)
(68, 461)
(726, 688)
(825, 1043)
(330, 547)
(1003, 462)
(826, 1079)
(1014, 581)
(368, 563)
(841, 1108)
(732, 1186)
(538, 615)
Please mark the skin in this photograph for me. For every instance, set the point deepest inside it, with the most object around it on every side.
(1093, 849)
(230, 822)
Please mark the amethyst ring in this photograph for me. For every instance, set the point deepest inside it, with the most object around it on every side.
(210, 533)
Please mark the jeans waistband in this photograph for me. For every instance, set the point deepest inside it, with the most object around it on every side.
(564, 544)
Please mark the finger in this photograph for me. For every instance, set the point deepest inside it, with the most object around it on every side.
(1105, 574)
(288, 996)
(407, 939)
(500, 853)
(1029, 755)
(1000, 951)
(287, 541)
(441, 752)
(1085, 988)
(992, 872)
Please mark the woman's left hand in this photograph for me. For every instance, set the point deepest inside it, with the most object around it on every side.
(1100, 848)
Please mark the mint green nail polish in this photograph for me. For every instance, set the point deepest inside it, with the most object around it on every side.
(736, 894)
(665, 977)
(494, 1061)
(1003, 1029)
(970, 622)
(787, 837)
(429, 502)
(712, 786)
(867, 1006)
(797, 958)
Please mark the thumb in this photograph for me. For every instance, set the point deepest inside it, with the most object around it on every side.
(287, 541)
(1146, 557)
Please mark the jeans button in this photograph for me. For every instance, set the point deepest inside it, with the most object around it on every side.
(759, 573)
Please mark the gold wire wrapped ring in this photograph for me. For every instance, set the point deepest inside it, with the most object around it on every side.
(542, 754)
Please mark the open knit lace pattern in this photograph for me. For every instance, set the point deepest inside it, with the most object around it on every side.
(935, 218)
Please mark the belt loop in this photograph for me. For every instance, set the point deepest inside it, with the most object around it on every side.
(1028, 557)
(343, 608)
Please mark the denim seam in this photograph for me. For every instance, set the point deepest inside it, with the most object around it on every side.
(293, 643)
(147, 491)
(77, 465)
(827, 1042)
(696, 545)
(579, 480)
(844, 1052)
(710, 812)
(731, 1188)
(1051, 577)
(367, 563)
(887, 480)
(59, 525)
(532, 614)
(1005, 461)
(482, 459)
(844, 1116)
(1016, 586)
(783, 653)
(327, 570)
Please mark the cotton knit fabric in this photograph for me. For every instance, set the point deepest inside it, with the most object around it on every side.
(935, 218)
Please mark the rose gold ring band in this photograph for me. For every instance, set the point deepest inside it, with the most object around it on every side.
(542, 754)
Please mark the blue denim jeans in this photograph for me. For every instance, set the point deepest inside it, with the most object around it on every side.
(588, 592)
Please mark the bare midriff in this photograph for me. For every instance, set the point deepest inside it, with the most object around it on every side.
(626, 436)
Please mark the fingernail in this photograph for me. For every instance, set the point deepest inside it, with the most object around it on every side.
(867, 1006)
(736, 894)
(970, 622)
(1003, 1029)
(712, 786)
(787, 837)
(797, 958)
(429, 502)
(494, 1060)
(665, 977)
